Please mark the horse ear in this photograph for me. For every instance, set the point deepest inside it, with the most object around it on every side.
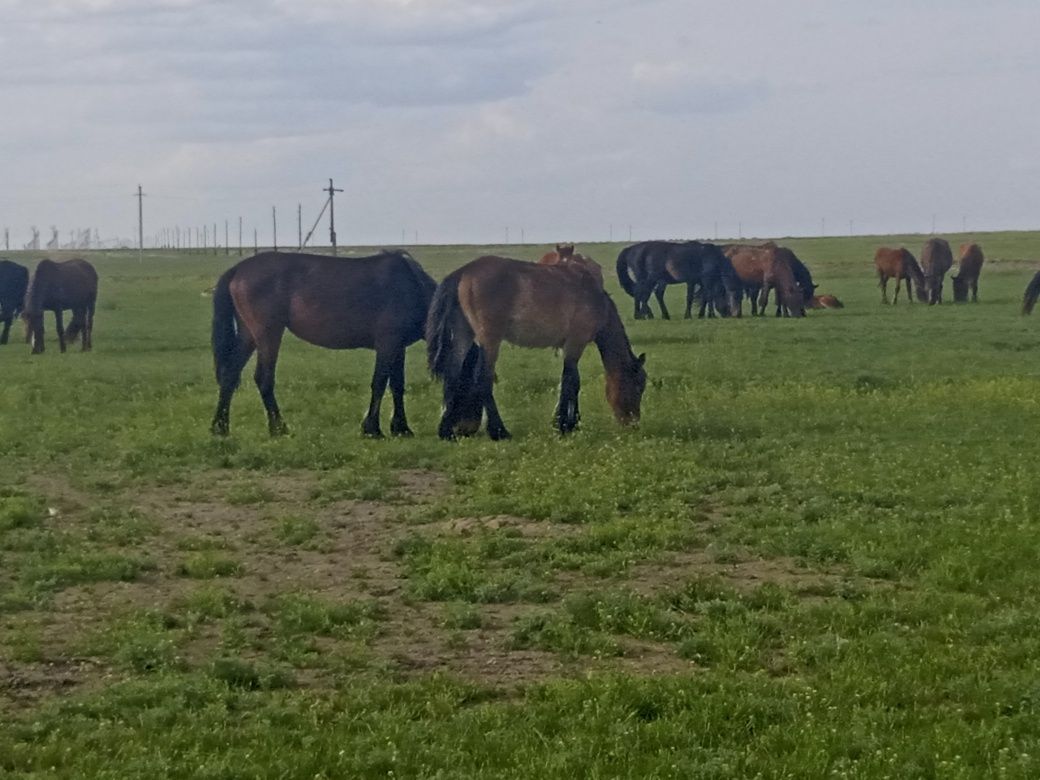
(815, 286)
(641, 360)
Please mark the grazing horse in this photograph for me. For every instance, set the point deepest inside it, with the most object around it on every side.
(650, 266)
(1031, 294)
(496, 299)
(377, 302)
(14, 281)
(766, 267)
(55, 287)
(936, 260)
(900, 265)
(565, 255)
(968, 273)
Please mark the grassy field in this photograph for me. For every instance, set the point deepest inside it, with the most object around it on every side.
(816, 556)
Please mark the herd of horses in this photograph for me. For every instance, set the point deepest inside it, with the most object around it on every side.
(386, 302)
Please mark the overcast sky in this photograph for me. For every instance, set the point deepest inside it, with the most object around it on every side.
(458, 119)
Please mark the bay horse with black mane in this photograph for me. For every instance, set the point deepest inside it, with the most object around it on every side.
(968, 272)
(496, 299)
(648, 267)
(936, 260)
(901, 265)
(377, 302)
(14, 281)
(565, 254)
(72, 284)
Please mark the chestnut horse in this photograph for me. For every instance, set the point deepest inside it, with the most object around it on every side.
(825, 302)
(899, 264)
(14, 281)
(55, 287)
(767, 267)
(650, 266)
(968, 274)
(496, 299)
(936, 260)
(377, 302)
(565, 254)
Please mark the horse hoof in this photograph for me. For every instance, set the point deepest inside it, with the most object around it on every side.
(499, 435)
(278, 429)
(404, 432)
(220, 429)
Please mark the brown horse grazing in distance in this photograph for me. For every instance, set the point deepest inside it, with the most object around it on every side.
(936, 260)
(900, 265)
(565, 255)
(1031, 294)
(377, 302)
(825, 302)
(496, 299)
(55, 287)
(764, 268)
(14, 281)
(968, 273)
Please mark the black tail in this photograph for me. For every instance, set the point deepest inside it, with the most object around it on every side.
(463, 404)
(444, 310)
(628, 284)
(225, 340)
(1032, 293)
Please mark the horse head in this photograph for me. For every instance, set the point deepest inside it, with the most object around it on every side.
(625, 389)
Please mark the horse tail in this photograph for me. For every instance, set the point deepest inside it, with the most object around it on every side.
(1032, 293)
(624, 275)
(226, 345)
(425, 284)
(35, 291)
(440, 326)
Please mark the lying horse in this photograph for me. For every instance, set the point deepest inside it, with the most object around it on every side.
(496, 299)
(968, 273)
(825, 302)
(55, 287)
(900, 265)
(767, 267)
(14, 281)
(378, 302)
(650, 266)
(936, 260)
(565, 254)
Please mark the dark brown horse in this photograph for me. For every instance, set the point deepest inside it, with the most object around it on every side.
(936, 260)
(900, 265)
(495, 299)
(968, 273)
(55, 287)
(648, 267)
(1031, 294)
(14, 281)
(765, 268)
(376, 302)
(565, 254)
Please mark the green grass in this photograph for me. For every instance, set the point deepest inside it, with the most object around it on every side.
(816, 555)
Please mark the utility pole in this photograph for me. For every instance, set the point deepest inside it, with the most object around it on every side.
(227, 246)
(216, 246)
(274, 227)
(140, 224)
(205, 239)
(7, 240)
(256, 245)
(332, 214)
(299, 224)
(240, 236)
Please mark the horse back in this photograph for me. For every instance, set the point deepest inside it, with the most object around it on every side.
(936, 257)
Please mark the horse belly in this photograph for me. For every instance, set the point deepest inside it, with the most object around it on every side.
(332, 329)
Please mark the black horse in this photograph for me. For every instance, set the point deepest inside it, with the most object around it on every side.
(14, 281)
(650, 266)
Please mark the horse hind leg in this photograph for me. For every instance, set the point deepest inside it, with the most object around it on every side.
(567, 415)
(384, 364)
(399, 422)
(659, 294)
(228, 377)
(485, 385)
(59, 326)
(7, 328)
(266, 360)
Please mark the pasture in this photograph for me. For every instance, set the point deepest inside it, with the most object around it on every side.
(815, 556)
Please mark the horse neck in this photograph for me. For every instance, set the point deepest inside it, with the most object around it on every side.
(914, 269)
(612, 342)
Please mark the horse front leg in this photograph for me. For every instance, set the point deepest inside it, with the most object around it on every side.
(7, 329)
(689, 302)
(567, 416)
